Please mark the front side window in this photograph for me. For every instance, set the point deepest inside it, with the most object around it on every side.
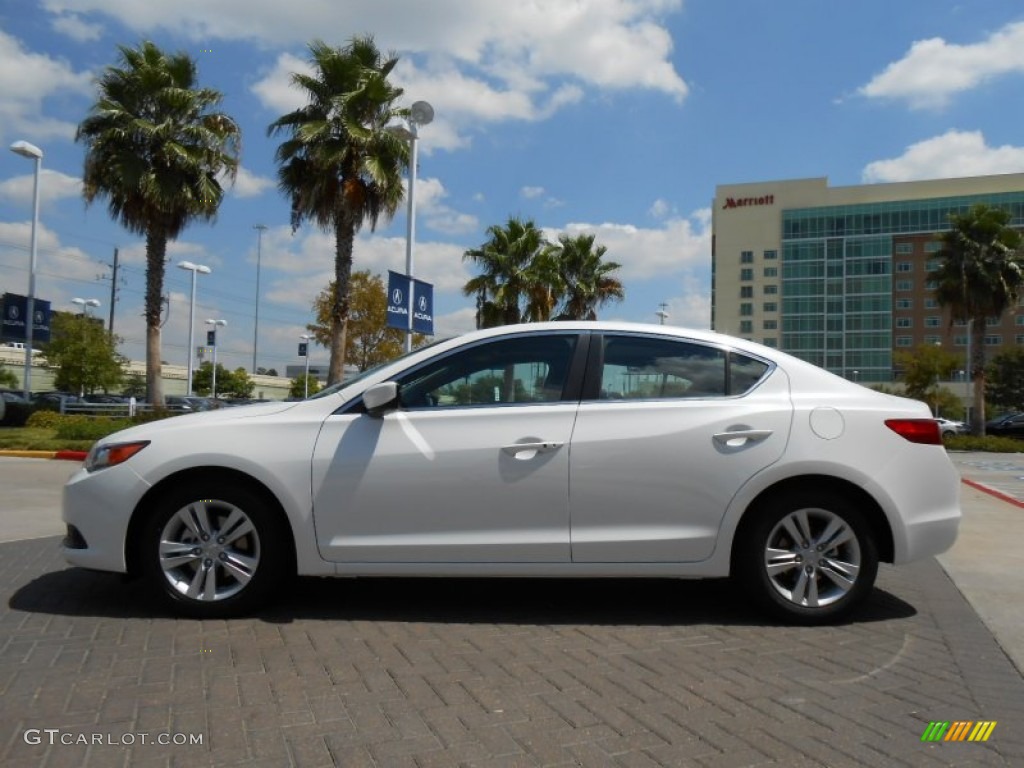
(527, 369)
(637, 368)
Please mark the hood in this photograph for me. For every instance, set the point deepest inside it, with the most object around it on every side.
(200, 420)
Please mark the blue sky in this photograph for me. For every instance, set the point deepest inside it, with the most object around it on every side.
(617, 117)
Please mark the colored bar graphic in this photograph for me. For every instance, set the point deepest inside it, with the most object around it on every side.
(958, 730)
(935, 731)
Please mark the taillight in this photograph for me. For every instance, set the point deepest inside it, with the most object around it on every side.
(924, 431)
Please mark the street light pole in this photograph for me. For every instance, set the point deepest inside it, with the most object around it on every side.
(305, 377)
(193, 268)
(260, 229)
(421, 113)
(32, 152)
(213, 383)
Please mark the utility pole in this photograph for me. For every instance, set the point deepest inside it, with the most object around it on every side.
(113, 291)
(260, 229)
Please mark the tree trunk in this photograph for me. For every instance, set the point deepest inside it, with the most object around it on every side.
(977, 332)
(344, 238)
(156, 251)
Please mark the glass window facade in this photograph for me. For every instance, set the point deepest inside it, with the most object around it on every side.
(837, 276)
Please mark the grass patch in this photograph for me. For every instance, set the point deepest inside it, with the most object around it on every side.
(38, 439)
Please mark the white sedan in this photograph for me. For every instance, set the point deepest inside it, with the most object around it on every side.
(555, 449)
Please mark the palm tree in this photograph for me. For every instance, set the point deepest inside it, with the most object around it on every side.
(980, 276)
(338, 165)
(155, 149)
(511, 288)
(585, 281)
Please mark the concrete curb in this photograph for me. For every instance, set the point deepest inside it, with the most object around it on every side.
(67, 455)
(993, 492)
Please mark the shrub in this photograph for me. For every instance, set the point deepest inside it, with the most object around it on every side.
(86, 428)
(989, 444)
(44, 419)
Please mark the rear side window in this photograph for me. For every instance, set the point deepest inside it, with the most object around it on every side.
(744, 373)
(641, 368)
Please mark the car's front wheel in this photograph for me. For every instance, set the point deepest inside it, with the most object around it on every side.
(214, 550)
(808, 557)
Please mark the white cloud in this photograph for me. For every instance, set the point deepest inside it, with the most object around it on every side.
(660, 209)
(933, 71)
(77, 29)
(477, 63)
(951, 155)
(680, 244)
(177, 250)
(53, 185)
(248, 184)
(62, 271)
(531, 192)
(26, 81)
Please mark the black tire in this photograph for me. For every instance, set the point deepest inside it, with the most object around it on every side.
(248, 563)
(811, 581)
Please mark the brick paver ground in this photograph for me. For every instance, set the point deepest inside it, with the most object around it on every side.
(493, 673)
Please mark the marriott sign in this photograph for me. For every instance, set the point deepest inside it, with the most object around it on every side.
(743, 202)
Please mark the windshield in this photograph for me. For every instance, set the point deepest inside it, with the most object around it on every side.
(334, 388)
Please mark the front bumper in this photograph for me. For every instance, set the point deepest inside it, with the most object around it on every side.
(99, 506)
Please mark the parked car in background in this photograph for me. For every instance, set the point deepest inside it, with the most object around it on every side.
(691, 455)
(12, 396)
(948, 428)
(53, 401)
(1007, 425)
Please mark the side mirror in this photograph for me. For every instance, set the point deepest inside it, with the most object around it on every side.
(380, 398)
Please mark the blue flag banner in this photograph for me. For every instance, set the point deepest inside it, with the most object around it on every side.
(15, 308)
(423, 307)
(398, 301)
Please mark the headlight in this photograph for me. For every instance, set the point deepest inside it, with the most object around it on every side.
(105, 455)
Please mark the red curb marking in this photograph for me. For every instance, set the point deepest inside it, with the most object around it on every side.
(71, 455)
(993, 492)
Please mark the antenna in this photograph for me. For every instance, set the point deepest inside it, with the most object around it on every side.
(421, 113)
(662, 313)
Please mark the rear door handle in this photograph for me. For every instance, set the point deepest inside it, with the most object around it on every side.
(526, 451)
(741, 437)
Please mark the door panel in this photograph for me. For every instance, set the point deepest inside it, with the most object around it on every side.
(659, 456)
(473, 467)
(445, 486)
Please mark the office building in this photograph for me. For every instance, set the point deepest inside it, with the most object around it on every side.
(840, 276)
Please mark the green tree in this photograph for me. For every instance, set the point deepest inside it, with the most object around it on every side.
(134, 386)
(516, 283)
(298, 385)
(1004, 380)
(923, 369)
(8, 379)
(155, 150)
(266, 372)
(229, 383)
(338, 165)
(980, 276)
(83, 355)
(369, 340)
(585, 281)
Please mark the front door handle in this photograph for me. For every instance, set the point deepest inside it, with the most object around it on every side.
(526, 451)
(740, 437)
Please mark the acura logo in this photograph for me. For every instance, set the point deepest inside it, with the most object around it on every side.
(396, 296)
(423, 304)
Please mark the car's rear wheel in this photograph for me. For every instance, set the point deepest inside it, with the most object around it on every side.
(808, 557)
(214, 550)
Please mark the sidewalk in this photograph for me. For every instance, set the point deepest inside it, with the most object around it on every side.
(987, 561)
